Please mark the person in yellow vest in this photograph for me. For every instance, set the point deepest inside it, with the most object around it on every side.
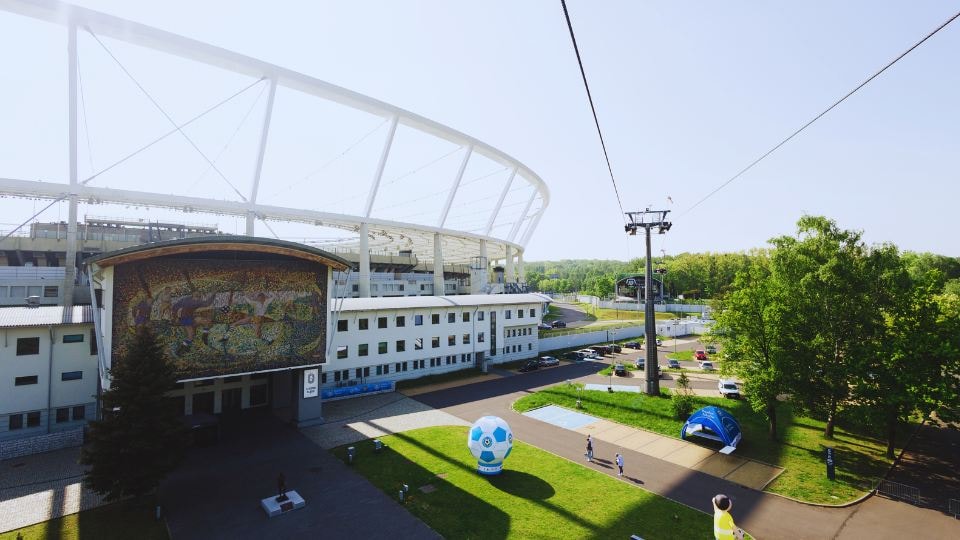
(723, 526)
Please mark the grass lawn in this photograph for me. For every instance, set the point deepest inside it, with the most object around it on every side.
(119, 521)
(860, 460)
(680, 355)
(538, 495)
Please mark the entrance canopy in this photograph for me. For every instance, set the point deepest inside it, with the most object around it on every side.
(714, 423)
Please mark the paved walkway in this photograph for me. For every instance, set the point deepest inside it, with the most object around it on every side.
(41, 487)
(764, 515)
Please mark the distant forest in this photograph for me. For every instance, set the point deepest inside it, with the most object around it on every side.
(694, 275)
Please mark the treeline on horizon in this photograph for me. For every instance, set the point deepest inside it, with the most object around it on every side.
(694, 275)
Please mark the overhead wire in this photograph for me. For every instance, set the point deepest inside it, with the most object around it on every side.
(83, 107)
(822, 114)
(165, 115)
(593, 109)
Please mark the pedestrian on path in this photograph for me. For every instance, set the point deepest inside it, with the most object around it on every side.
(723, 526)
(589, 448)
(620, 464)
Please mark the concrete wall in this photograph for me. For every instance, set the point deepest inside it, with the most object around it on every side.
(41, 443)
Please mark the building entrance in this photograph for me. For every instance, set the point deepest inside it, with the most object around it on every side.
(231, 400)
(203, 403)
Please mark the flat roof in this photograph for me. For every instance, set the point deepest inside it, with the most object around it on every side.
(218, 243)
(25, 316)
(463, 300)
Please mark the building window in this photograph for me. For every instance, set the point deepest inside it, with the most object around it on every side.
(28, 345)
(15, 422)
(435, 342)
(533, 312)
(435, 318)
(24, 381)
(51, 291)
(418, 320)
(34, 290)
(79, 412)
(480, 337)
(379, 370)
(451, 317)
(479, 315)
(71, 375)
(466, 339)
(382, 347)
(519, 313)
(73, 338)
(386, 369)
(381, 322)
(323, 378)
(466, 316)
(362, 349)
(258, 394)
(451, 340)
(345, 374)
(342, 325)
(401, 345)
(342, 351)
(418, 344)
(336, 376)
(33, 419)
(529, 346)
(93, 342)
(507, 314)
(401, 321)
(63, 415)
(359, 373)
(363, 324)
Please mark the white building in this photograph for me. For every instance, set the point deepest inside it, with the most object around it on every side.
(48, 376)
(391, 339)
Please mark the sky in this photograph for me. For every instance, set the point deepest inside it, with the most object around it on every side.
(687, 94)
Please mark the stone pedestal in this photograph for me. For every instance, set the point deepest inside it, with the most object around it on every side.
(273, 507)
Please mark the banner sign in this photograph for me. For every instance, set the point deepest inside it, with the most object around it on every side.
(831, 463)
(356, 390)
(311, 383)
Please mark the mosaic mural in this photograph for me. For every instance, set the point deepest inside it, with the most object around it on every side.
(216, 317)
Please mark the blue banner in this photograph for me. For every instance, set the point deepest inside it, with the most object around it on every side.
(356, 390)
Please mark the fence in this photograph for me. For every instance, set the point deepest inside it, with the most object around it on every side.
(903, 492)
(955, 508)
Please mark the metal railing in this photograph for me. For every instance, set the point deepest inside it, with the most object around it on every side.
(954, 505)
(899, 491)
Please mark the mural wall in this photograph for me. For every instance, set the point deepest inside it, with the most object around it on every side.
(217, 317)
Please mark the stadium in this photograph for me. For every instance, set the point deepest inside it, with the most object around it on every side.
(369, 244)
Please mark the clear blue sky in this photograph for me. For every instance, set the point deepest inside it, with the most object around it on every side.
(687, 93)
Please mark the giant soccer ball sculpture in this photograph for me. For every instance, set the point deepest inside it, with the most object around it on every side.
(490, 441)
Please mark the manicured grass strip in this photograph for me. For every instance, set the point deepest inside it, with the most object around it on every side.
(680, 355)
(861, 459)
(120, 521)
(539, 495)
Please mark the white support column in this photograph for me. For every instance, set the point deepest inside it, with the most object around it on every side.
(364, 277)
(503, 195)
(251, 220)
(510, 277)
(70, 263)
(478, 277)
(523, 216)
(438, 283)
(258, 168)
(521, 272)
(381, 164)
(455, 187)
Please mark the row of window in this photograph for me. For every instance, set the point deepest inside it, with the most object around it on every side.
(516, 332)
(31, 345)
(32, 418)
(21, 292)
(400, 321)
(516, 348)
(398, 367)
(363, 349)
(27, 380)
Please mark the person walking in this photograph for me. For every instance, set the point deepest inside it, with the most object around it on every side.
(589, 448)
(723, 526)
(620, 464)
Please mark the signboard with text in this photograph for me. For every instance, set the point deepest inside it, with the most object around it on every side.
(311, 383)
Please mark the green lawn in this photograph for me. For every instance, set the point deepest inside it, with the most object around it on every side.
(120, 521)
(680, 355)
(538, 495)
(860, 459)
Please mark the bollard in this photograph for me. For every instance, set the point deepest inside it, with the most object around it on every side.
(350, 453)
(158, 512)
(406, 488)
(401, 495)
(377, 445)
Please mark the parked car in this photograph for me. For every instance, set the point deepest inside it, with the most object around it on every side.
(728, 389)
(614, 348)
(711, 349)
(673, 363)
(601, 350)
(640, 363)
(576, 356)
(546, 361)
(544, 326)
(659, 343)
(529, 365)
(706, 366)
(699, 354)
(632, 344)
(558, 324)
(589, 353)
(620, 370)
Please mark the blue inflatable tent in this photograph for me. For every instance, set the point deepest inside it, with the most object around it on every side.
(714, 423)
